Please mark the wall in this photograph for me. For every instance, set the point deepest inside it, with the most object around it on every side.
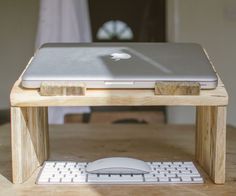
(18, 23)
(211, 23)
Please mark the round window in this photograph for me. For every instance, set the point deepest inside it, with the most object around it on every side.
(114, 29)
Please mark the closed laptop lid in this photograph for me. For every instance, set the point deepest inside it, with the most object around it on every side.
(120, 61)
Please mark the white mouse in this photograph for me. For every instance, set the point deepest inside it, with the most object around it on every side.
(118, 165)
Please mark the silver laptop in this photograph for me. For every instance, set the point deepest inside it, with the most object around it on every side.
(120, 65)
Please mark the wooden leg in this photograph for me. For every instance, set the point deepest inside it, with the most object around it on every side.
(29, 138)
(211, 141)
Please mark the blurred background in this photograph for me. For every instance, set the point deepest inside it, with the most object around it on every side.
(26, 24)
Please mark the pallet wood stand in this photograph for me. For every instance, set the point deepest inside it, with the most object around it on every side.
(29, 122)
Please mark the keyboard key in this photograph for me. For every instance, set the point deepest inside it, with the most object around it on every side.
(79, 179)
(160, 175)
(150, 175)
(156, 163)
(175, 179)
(188, 163)
(151, 179)
(177, 163)
(60, 164)
(164, 179)
(170, 175)
(43, 180)
(190, 174)
(186, 179)
(197, 179)
(54, 180)
(66, 180)
(185, 172)
(167, 163)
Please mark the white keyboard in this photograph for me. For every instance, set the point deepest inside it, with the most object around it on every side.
(56, 172)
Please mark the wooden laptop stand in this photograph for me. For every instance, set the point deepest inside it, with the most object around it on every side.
(29, 119)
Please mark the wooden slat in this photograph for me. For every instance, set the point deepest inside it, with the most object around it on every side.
(60, 88)
(210, 141)
(115, 97)
(177, 88)
(30, 147)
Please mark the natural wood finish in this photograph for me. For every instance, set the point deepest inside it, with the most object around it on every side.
(59, 88)
(29, 131)
(210, 141)
(147, 142)
(177, 88)
(116, 97)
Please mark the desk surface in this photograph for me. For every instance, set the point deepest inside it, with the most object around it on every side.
(90, 142)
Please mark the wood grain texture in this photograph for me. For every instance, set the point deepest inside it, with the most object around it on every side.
(177, 88)
(117, 97)
(84, 142)
(210, 133)
(30, 146)
(211, 141)
(62, 88)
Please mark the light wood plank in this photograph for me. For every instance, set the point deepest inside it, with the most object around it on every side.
(177, 88)
(210, 141)
(29, 131)
(62, 88)
(117, 97)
